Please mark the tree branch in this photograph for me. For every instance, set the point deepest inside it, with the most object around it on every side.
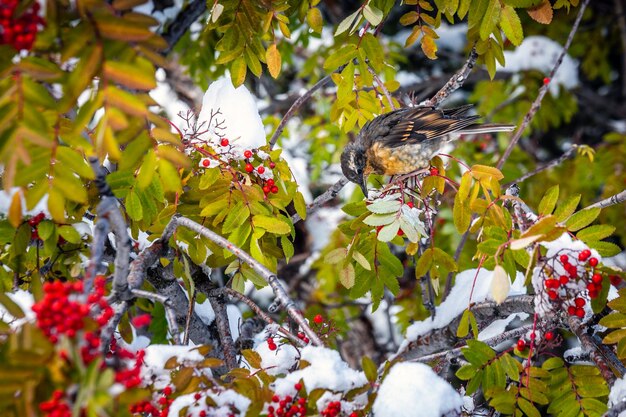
(455, 82)
(323, 198)
(551, 164)
(271, 278)
(611, 201)
(544, 88)
(297, 104)
(185, 18)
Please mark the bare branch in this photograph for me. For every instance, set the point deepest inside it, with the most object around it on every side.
(455, 82)
(544, 88)
(271, 278)
(611, 201)
(223, 329)
(183, 21)
(551, 164)
(323, 198)
(297, 104)
(382, 87)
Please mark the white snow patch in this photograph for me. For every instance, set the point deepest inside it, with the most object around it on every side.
(224, 401)
(167, 98)
(326, 371)
(540, 53)
(279, 361)
(25, 301)
(459, 299)
(618, 393)
(153, 368)
(243, 125)
(414, 390)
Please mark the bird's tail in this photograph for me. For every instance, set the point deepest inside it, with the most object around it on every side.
(486, 128)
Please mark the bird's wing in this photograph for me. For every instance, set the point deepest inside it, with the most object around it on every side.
(418, 124)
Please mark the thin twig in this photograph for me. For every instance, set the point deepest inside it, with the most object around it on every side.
(455, 82)
(382, 87)
(611, 201)
(119, 309)
(192, 303)
(323, 198)
(544, 88)
(271, 278)
(551, 164)
(297, 104)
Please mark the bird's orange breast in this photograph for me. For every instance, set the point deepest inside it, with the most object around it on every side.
(396, 161)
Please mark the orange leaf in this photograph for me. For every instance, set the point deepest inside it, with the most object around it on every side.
(15, 210)
(542, 13)
(272, 56)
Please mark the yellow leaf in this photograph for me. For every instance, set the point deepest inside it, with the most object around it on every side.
(429, 47)
(272, 56)
(542, 13)
(314, 19)
(15, 210)
(500, 285)
(129, 75)
(238, 71)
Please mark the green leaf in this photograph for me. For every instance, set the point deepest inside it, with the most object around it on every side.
(424, 263)
(463, 329)
(548, 202)
(605, 248)
(385, 206)
(347, 276)
(373, 51)
(130, 75)
(235, 217)
(336, 256)
(582, 219)
(361, 260)
(69, 233)
(596, 232)
(373, 15)
(511, 26)
(271, 224)
(379, 219)
(445, 260)
(467, 371)
(490, 18)
(389, 231)
(340, 57)
(528, 408)
(300, 205)
(369, 368)
(133, 206)
(461, 214)
(346, 23)
(238, 71)
(566, 208)
(314, 19)
(11, 306)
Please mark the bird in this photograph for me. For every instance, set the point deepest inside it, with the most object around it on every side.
(405, 140)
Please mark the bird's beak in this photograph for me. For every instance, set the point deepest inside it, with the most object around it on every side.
(363, 185)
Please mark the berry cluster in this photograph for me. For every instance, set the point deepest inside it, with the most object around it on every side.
(580, 274)
(59, 312)
(271, 344)
(146, 408)
(19, 31)
(521, 343)
(57, 406)
(288, 406)
(303, 337)
(130, 377)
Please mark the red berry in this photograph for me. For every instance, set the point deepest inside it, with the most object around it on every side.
(275, 398)
(260, 169)
(272, 165)
(167, 391)
(579, 302)
(521, 345)
(434, 171)
(553, 295)
(593, 294)
(354, 414)
(546, 80)
(571, 270)
(249, 167)
(564, 259)
(202, 413)
(563, 279)
(549, 336)
(270, 182)
(206, 162)
(298, 386)
(580, 312)
(247, 154)
(272, 346)
(410, 204)
(267, 189)
(593, 262)
(596, 279)
(400, 232)
(584, 255)
(571, 310)
(274, 190)
(318, 319)
(197, 396)
(615, 280)
(592, 287)
(224, 142)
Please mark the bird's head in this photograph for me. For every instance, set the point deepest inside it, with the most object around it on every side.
(353, 162)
